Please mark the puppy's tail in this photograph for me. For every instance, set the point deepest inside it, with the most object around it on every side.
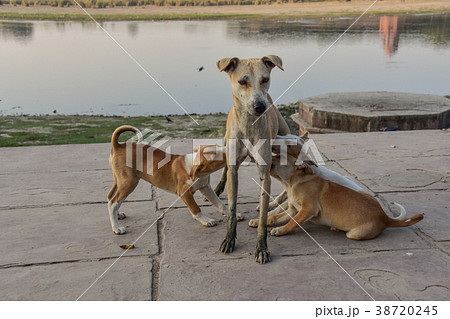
(401, 221)
(120, 130)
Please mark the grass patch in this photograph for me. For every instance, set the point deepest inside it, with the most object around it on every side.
(184, 16)
(55, 130)
(84, 129)
(124, 17)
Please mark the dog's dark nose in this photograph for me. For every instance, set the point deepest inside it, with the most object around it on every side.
(260, 107)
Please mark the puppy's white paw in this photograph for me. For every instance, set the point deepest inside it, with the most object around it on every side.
(275, 231)
(253, 223)
(239, 217)
(119, 230)
(121, 216)
(205, 221)
(257, 208)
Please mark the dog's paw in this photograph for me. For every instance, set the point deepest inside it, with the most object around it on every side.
(262, 256)
(121, 216)
(205, 221)
(253, 223)
(278, 231)
(239, 217)
(257, 208)
(119, 230)
(209, 223)
(275, 231)
(227, 245)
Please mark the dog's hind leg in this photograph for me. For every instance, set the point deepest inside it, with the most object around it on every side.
(122, 192)
(113, 189)
(188, 199)
(208, 192)
(222, 183)
(366, 231)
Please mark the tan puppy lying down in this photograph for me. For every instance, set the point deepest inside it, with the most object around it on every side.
(181, 175)
(327, 203)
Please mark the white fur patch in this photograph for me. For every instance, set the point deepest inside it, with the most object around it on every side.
(189, 161)
(334, 177)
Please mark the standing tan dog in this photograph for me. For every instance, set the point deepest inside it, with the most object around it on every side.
(324, 202)
(182, 175)
(251, 124)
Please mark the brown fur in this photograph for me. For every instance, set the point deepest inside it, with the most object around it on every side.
(172, 177)
(321, 201)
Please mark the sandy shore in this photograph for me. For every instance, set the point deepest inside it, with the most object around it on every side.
(278, 10)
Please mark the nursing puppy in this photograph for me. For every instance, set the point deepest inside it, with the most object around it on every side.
(294, 146)
(181, 174)
(311, 197)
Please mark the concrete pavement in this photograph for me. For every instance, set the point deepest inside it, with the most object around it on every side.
(57, 240)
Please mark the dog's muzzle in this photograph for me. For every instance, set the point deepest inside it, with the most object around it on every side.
(260, 107)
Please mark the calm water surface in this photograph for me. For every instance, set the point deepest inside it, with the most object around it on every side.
(75, 68)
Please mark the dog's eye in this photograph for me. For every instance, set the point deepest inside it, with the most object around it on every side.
(264, 80)
(242, 82)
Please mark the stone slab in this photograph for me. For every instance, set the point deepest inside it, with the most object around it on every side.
(444, 246)
(422, 143)
(434, 204)
(405, 174)
(130, 278)
(374, 111)
(54, 158)
(193, 269)
(62, 188)
(68, 233)
(186, 239)
(390, 276)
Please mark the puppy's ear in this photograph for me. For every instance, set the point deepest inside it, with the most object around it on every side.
(198, 165)
(227, 64)
(272, 61)
(306, 167)
(304, 134)
(195, 170)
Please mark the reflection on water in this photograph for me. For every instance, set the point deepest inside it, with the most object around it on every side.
(19, 31)
(390, 31)
(433, 28)
(73, 67)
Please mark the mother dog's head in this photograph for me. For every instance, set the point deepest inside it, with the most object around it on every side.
(250, 81)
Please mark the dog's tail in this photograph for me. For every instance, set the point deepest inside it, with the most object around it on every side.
(120, 130)
(401, 221)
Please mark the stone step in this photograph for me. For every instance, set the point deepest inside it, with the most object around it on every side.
(374, 111)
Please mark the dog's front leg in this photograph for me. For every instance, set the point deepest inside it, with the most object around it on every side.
(262, 254)
(188, 199)
(211, 196)
(232, 188)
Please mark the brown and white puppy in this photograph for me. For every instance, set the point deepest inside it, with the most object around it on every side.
(181, 174)
(251, 125)
(311, 197)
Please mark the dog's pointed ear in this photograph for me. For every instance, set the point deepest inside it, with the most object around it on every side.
(227, 64)
(272, 61)
(198, 165)
(304, 134)
(306, 167)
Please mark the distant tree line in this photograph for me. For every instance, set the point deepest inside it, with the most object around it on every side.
(130, 3)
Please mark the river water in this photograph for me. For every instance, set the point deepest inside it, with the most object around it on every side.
(51, 67)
